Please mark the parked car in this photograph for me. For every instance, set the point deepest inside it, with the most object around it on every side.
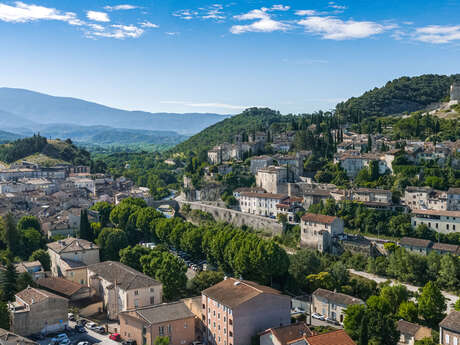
(99, 329)
(80, 329)
(81, 322)
(90, 325)
(318, 316)
(115, 336)
(71, 316)
(129, 342)
(62, 336)
(84, 343)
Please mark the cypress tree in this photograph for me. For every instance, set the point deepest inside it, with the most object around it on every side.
(363, 332)
(85, 227)
(9, 282)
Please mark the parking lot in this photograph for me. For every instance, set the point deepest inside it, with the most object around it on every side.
(89, 336)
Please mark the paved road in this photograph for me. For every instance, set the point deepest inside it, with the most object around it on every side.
(450, 298)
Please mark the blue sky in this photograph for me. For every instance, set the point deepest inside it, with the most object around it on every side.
(205, 56)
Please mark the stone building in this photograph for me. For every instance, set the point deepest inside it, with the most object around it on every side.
(172, 320)
(445, 222)
(453, 199)
(235, 310)
(455, 92)
(261, 204)
(284, 335)
(273, 179)
(38, 311)
(123, 288)
(412, 332)
(449, 329)
(9, 338)
(260, 162)
(425, 198)
(318, 231)
(332, 304)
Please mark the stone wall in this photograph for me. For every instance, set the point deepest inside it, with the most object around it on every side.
(238, 218)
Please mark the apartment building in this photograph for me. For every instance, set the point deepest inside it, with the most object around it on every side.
(445, 222)
(262, 204)
(317, 231)
(236, 310)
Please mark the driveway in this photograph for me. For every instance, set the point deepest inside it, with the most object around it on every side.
(450, 298)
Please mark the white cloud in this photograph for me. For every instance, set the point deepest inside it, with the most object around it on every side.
(438, 33)
(185, 14)
(214, 12)
(332, 4)
(336, 29)
(170, 33)
(98, 16)
(263, 22)
(305, 12)
(120, 7)
(23, 13)
(207, 105)
(117, 31)
(280, 8)
(148, 24)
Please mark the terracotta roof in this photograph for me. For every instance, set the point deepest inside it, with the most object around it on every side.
(438, 213)
(339, 337)
(413, 189)
(337, 297)
(265, 195)
(286, 334)
(451, 321)
(416, 242)
(161, 313)
(32, 295)
(60, 285)
(233, 292)
(124, 276)
(320, 192)
(407, 327)
(250, 190)
(71, 244)
(9, 338)
(318, 218)
(446, 247)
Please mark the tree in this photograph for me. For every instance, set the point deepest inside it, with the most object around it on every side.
(111, 241)
(9, 233)
(363, 332)
(382, 326)
(4, 316)
(131, 256)
(395, 295)
(104, 209)
(457, 305)
(203, 280)
(24, 280)
(33, 241)
(42, 256)
(447, 275)
(8, 282)
(432, 304)
(28, 222)
(354, 315)
(408, 311)
(86, 232)
(303, 263)
(161, 341)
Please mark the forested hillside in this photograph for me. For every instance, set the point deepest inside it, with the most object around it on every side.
(401, 95)
(55, 149)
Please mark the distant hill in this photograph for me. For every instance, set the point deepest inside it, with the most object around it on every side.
(250, 120)
(401, 95)
(29, 106)
(7, 136)
(40, 147)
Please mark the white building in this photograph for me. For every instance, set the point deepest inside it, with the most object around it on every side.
(318, 230)
(445, 222)
(425, 198)
(273, 179)
(262, 204)
(260, 162)
(453, 199)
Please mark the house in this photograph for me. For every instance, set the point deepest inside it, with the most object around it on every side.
(338, 337)
(237, 192)
(9, 338)
(352, 164)
(273, 179)
(315, 196)
(288, 207)
(425, 198)
(34, 268)
(236, 310)
(37, 311)
(446, 248)
(411, 332)
(262, 204)
(318, 231)
(122, 287)
(445, 222)
(260, 162)
(453, 199)
(285, 334)
(416, 245)
(70, 256)
(332, 304)
(449, 329)
(144, 325)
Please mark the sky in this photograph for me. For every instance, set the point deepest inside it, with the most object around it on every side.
(222, 57)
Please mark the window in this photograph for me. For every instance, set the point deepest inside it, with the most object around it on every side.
(455, 340)
(204, 307)
(185, 324)
(230, 321)
(152, 300)
(152, 289)
(230, 334)
(136, 292)
(161, 330)
(447, 338)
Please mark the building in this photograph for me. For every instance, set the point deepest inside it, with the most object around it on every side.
(70, 256)
(318, 231)
(449, 329)
(285, 334)
(34, 268)
(453, 199)
(260, 162)
(411, 332)
(38, 311)
(273, 179)
(262, 204)
(338, 337)
(236, 310)
(123, 288)
(172, 320)
(237, 192)
(445, 222)
(315, 196)
(416, 245)
(332, 304)
(352, 164)
(371, 195)
(9, 338)
(455, 92)
(446, 248)
(425, 198)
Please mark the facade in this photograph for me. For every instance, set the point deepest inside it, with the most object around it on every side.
(236, 310)
(416, 245)
(453, 199)
(318, 231)
(34, 268)
(38, 311)
(425, 198)
(272, 179)
(449, 329)
(237, 192)
(445, 222)
(371, 195)
(455, 92)
(72, 253)
(260, 162)
(411, 332)
(123, 288)
(144, 325)
(332, 304)
(9, 338)
(352, 164)
(285, 334)
(262, 204)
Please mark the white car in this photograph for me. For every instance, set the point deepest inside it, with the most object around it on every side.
(90, 325)
(318, 316)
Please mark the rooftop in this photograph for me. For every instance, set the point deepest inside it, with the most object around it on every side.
(407, 327)
(318, 218)
(415, 242)
(9, 338)
(71, 244)
(286, 334)
(451, 321)
(264, 195)
(32, 295)
(160, 313)
(338, 337)
(337, 297)
(60, 285)
(438, 213)
(446, 247)
(233, 292)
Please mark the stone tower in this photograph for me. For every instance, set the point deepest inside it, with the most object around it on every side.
(455, 91)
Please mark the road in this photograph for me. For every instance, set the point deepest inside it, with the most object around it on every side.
(450, 298)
